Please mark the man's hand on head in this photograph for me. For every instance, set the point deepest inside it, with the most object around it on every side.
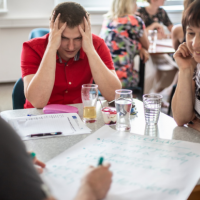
(55, 32)
(87, 43)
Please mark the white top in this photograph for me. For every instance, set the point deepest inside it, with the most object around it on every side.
(196, 78)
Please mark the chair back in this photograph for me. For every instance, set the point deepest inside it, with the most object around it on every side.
(18, 97)
(142, 76)
(38, 32)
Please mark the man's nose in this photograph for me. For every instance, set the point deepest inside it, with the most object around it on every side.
(71, 45)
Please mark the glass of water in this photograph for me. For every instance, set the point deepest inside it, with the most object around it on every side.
(123, 104)
(152, 106)
(152, 37)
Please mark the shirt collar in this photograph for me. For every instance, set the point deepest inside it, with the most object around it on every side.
(79, 55)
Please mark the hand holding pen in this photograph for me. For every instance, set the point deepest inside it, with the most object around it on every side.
(40, 164)
(96, 182)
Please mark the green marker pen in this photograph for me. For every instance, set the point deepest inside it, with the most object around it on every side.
(32, 154)
(100, 161)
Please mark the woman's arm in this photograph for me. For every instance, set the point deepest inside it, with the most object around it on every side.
(95, 184)
(144, 41)
(183, 99)
(170, 28)
(177, 36)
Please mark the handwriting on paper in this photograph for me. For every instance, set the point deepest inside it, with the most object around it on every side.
(139, 163)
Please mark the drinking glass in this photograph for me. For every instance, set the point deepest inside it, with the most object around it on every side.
(123, 105)
(152, 106)
(89, 94)
(152, 37)
(151, 130)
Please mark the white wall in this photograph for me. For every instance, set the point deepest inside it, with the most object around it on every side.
(22, 17)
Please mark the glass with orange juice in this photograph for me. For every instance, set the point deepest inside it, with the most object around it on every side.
(89, 94)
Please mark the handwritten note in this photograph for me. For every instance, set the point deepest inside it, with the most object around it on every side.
(143, 167)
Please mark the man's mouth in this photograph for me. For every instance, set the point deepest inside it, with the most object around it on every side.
(69, 52)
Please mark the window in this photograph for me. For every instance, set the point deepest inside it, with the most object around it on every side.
(90, 3)
(3, 6)
(105, 4)
(173, 2)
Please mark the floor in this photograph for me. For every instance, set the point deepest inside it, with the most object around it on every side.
(6, 96)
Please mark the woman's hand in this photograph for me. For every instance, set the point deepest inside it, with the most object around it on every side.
(144, 55)
(160, 30)
(96, 183)
(39, 164)
(184, 58)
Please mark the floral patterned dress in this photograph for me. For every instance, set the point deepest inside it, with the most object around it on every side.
(122, 38)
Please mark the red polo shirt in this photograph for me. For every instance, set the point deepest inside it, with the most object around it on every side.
(69, 76)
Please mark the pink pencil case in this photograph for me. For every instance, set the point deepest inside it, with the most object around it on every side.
(59, 108)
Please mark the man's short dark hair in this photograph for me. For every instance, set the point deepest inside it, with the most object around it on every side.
(70, 12)
(191, 16)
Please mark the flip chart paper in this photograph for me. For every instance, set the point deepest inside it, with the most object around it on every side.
(144, 167)
(67, 123)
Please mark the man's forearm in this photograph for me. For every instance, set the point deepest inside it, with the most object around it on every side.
(40, 87)
(107, 81)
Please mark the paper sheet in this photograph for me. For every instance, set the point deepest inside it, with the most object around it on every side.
(144, 167)
(67, 123)
(165, 42)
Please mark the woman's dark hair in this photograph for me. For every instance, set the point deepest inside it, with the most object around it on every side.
(191, 16)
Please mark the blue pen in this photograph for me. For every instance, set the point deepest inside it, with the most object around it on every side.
(29, 115)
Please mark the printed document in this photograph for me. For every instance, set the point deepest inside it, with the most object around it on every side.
(67, 123)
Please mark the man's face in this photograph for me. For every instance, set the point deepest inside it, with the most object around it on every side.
(71, 42)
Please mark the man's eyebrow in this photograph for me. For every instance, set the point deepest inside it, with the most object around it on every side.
(64, 37)
(78, 37)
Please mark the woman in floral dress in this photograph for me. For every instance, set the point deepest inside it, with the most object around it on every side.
(124, 35)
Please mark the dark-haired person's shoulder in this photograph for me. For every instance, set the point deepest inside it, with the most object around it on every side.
(139, 19)
(161, 10)
(141, 9)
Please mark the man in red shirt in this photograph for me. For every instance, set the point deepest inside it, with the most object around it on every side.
(55, 66)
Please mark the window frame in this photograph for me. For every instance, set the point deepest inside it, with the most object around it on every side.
(170, 5)
(4, 9)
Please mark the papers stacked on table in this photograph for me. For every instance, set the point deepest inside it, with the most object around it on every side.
(67, 123)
